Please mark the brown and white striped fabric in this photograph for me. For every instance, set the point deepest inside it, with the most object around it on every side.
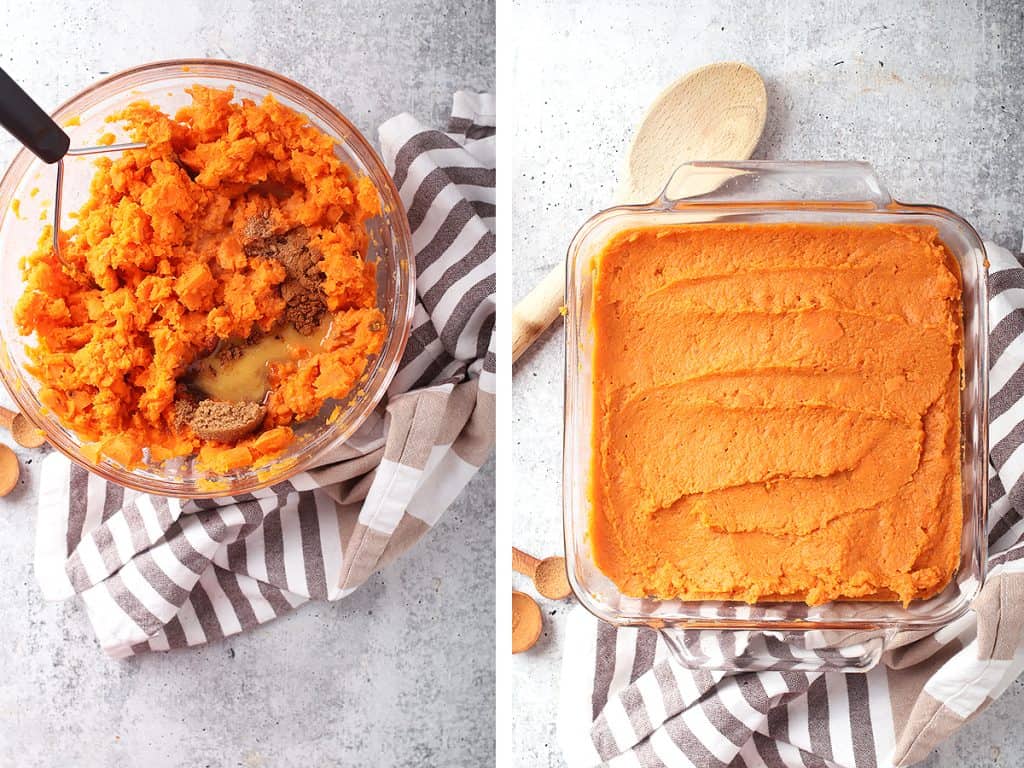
(625, 702)
(157, 573)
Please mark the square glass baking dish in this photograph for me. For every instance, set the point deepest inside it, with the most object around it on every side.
(840, 636)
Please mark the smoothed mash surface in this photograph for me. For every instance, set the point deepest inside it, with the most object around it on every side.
(776, 412)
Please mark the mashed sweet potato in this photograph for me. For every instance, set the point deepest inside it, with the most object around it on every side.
(776, 412)
(156, 274)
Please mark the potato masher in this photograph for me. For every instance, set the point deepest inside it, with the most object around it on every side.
(37, 131)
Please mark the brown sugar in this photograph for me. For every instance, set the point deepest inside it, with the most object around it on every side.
(226, 422)
(526, 622)
(184, 409)
(302, 289)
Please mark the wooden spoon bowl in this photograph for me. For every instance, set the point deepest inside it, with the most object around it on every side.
(526, 622)
(716, 112)
(10, 470)
(24, 432)
(549, 575)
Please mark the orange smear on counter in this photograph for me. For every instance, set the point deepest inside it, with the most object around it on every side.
(776, 412)
(158, 276)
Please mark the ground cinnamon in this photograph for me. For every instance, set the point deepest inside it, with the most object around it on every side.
(551, 578)
(302, 289)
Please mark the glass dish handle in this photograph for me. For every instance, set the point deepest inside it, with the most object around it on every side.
(743, 650)
(827, 181)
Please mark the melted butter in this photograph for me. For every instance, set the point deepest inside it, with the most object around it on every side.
(246, 376)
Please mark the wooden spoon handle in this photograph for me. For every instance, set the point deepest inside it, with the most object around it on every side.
(524, 563)
(534, 313)
(6, 417)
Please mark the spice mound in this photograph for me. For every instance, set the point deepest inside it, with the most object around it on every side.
(213, 290)
(776, 412)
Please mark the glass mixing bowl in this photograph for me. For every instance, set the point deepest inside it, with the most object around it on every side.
(163, 84)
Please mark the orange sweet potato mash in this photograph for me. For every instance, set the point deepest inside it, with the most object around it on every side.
(155, 275)
(776, 412)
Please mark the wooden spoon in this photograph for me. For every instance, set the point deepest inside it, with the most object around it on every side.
(549, 575)
(526, 622)
(716, 112)
(10, 471)
(24, 432)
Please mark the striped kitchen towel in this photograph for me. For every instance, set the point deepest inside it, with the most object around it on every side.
(159, 573)
(625, 702)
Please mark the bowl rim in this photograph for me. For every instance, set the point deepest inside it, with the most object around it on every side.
(393, 211)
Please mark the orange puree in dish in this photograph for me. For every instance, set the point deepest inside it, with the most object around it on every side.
(174, 254)
(776, 412)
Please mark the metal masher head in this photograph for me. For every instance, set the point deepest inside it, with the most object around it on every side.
(38, 132)
(59, 190)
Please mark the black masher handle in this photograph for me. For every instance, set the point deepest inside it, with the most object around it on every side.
(27, 122)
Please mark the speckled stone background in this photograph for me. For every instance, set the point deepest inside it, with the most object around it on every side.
(929, 92)
(369, 681)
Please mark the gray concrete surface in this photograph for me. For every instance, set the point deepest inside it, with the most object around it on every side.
(368, 681)
(931, 93)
